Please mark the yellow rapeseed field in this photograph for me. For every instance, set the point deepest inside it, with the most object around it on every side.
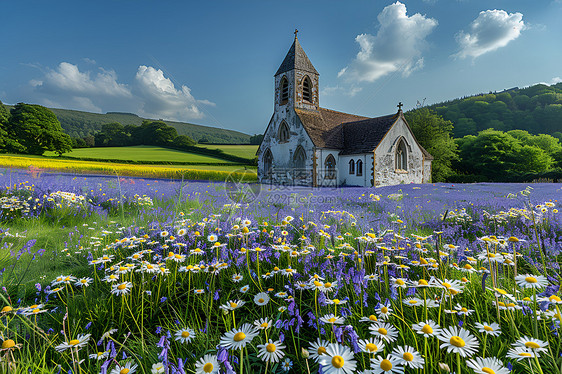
(94, 167)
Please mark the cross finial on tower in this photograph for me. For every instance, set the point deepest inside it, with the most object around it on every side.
(296, 32)
(400, 105)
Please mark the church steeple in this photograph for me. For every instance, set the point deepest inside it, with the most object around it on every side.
(296, 80)
(296, 58)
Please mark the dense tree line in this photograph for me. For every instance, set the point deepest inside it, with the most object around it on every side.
(490, 155)
(148, 133)
(536, 109)
(31, 129)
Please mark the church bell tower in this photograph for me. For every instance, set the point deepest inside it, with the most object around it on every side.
(296, 81)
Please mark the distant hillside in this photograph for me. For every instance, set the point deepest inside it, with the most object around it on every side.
(79, 124)
(536, 109)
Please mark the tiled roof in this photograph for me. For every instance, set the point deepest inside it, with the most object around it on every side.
(364, 136)
(350, 133)
(324, 126)
(296, 59)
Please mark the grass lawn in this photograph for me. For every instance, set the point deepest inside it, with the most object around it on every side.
(245, 150)
(140, 153)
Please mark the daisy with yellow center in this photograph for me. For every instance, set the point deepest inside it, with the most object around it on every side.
(488, 365)
(458, 340)
(127, 368)
(263, 323)
(208, 364)
(532, 344)
(388, 365)
(371, 346)
(238, 338)
(185, 335)
(272, 351)
(384, 311)
(121, 288)
(338, 359)
(77, 343)
(531, 281)
(318, 348)
(521, 353)
(492, 329)
(384, 331)
(332, 319)
(261, 299)
(408, 357)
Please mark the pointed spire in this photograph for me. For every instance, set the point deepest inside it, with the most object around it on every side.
(296, 58)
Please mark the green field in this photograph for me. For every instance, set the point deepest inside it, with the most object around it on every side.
(244, 150)
(141, 153)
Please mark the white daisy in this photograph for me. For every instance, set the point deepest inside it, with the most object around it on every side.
(384, 331)
(318, 348)
(261, 298)
(338, 360)
(271, 351)
(489, 328)
(263, 323)
(533, 344)
(371, 346)
(332, 319)
(79, 342)
(521, 353)
(185, 335)
(238, 338)
(458, 340)
(487, 365)
(531, 281)
(408, 356)
(388, 365)
(121, 288)
(124, 369)
(207, 364)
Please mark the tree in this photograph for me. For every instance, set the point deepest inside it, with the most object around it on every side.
(38, 130)
(434, 134)
(256, 139)
(183, 141)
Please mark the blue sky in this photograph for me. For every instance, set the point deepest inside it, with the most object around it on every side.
(212, 62)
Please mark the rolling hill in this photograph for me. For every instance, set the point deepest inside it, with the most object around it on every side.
(536, 109)
(79, 124)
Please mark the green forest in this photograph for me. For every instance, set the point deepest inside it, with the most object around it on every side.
(536, 109)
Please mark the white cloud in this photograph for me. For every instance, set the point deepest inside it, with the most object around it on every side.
(347, 91)
(397, 46)
(68, 87)
(162, 99)
(492, 29)
(152, 95)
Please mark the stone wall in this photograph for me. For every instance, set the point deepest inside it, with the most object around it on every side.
(385, 171)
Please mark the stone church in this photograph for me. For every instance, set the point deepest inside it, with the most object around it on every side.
(305, 144)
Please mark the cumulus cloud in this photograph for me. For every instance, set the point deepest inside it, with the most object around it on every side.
(151, 95)
(162, 99)
(397, 46)
(347, 91)
(492, 29)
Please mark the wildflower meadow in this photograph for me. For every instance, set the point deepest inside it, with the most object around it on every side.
(118, 275)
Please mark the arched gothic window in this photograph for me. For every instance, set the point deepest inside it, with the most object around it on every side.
(330, 167)
(300, 158)
(307, 90)
(401, 156)
(284, 91)
(283, 133)
(351, 167)
(268, 163)
(359, 167)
